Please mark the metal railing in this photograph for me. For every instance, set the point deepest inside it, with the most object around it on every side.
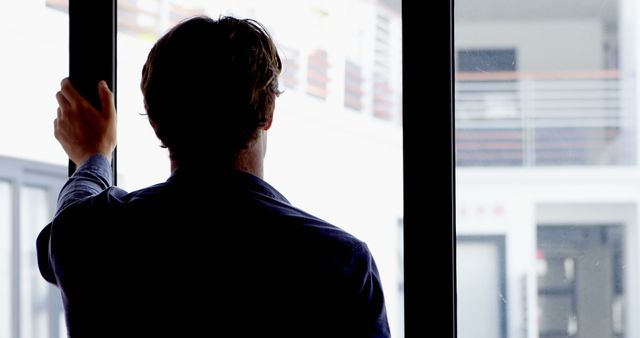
(531, 119)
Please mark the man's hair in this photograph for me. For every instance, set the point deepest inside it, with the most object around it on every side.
(209, 85)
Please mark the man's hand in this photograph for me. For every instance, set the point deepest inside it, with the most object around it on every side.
(82, 130)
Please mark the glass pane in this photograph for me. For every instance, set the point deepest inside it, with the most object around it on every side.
(34, 59)
(546, 154)
(6, 256)
(35, 212)
(337, 126)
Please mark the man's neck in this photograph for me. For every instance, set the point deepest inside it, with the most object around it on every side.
(250, 164)
(248, 160)
(251, 159)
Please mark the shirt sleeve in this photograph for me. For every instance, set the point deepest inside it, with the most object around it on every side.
(91, 178)
(370, 298)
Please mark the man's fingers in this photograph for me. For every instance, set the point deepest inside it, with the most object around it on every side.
(63, 104)
(106, 98)
(70, 94)
(56, 129)
(67, 88)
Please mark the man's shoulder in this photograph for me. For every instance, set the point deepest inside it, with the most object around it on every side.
(314, 235)
(271, 208)
(316, 225)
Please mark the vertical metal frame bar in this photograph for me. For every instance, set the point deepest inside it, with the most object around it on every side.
(92, 50)
(15, 259)
(429, 169)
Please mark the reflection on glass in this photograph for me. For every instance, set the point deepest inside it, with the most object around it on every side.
(6, 212)
(335, 146)
(546, 154)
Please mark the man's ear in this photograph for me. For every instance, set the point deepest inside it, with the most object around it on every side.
(269, 118)
(268, 124)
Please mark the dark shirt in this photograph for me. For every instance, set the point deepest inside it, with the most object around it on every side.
(204, 254)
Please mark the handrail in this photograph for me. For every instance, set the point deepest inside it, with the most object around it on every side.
(542, 118)
(509, 75)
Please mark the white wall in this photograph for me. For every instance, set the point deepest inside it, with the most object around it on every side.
(565, 45)
(512, 203)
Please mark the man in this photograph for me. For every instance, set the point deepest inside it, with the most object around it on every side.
(214, 250)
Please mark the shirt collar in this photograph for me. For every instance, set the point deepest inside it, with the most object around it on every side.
(239, 178)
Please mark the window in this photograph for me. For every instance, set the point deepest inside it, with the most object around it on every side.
(353, 86)
(318, 145)
(486, 60)
(32, 166)
(545, 143)
(5, 262)
(29, 306)
(338, 122)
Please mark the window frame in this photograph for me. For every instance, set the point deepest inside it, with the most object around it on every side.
(92, 53)
(429, 191)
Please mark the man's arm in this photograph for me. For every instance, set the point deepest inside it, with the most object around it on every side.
(91, 178)
(88, 136)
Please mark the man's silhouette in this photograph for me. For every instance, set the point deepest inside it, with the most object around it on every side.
(214, 250)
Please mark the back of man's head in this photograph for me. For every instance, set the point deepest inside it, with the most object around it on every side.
(209, 86)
